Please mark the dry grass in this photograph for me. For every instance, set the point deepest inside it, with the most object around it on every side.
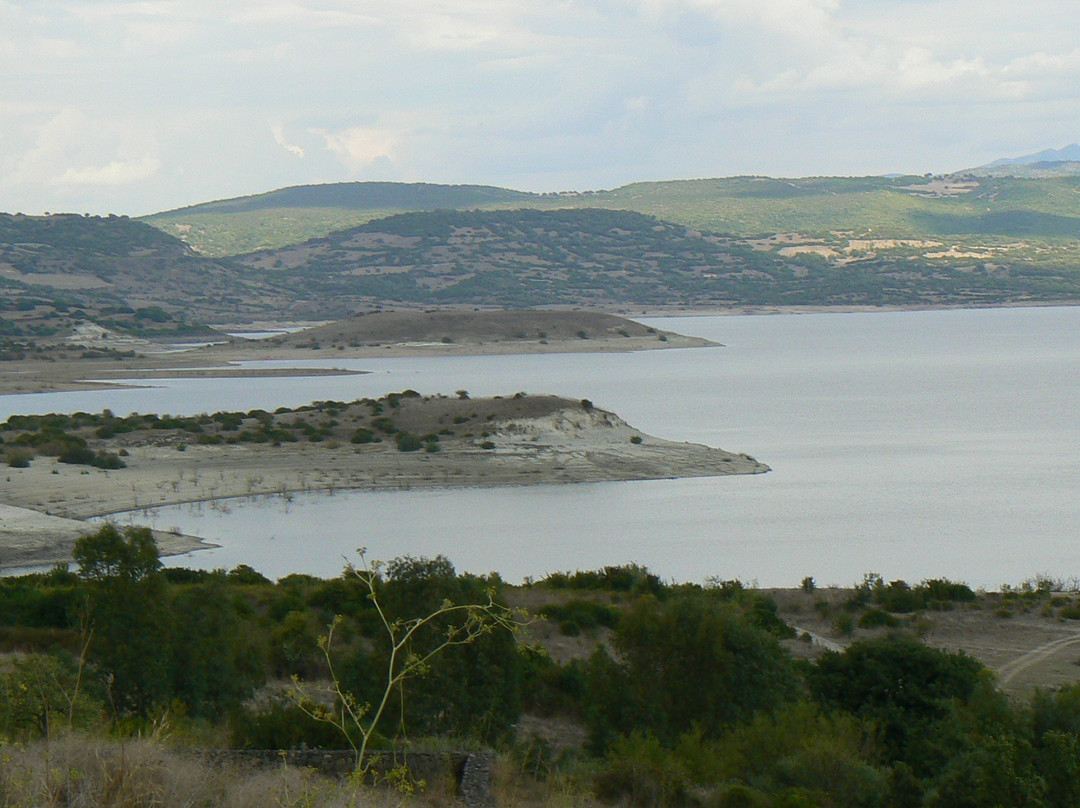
(79, 771)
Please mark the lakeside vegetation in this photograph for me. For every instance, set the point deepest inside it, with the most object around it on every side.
(612, 686)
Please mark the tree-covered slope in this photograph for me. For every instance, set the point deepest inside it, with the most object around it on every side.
(597, 257)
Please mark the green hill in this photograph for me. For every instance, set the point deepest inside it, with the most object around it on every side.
(617, 258)
(827, 208)
(293, 215)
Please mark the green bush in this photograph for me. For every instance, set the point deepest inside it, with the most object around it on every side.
(281, 723)
(639, 771)
(584, 614)
(18, 458)
(39, 694)
(878, 618)
(408, 442)
(903, 685)
(687, 662)
(362, 435)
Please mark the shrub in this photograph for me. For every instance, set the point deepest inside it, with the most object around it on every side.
(690, 661)
(878, 618)
(907, 687)
(19, 458)
(408, 442)
(844, 624)
(586, 614)
(362, 435)
(639, 771)
(78, 455)
(108, 460)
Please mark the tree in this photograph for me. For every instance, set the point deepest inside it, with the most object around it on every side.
(213, 668)
(692, 661)
(409, 646)
(39, 692)
(112, 554)
(906, 687)
(128, 617)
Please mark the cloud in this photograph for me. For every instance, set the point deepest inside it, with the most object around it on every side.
(170, 100)
(118, 172)
(359, 147)
(278, 131)
(72, 148)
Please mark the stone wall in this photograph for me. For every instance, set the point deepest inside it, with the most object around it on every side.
(470, 770)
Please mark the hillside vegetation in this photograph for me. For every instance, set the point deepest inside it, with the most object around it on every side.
(1007, 243)
(596, 257)
(291, 215)
(884, 207)
(469, 327)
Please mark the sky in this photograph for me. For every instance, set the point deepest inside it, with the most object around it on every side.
(149, 105)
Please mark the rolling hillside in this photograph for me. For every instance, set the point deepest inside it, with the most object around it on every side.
(56, 271)
(825, 208)
(292, 215)
(945, 241)
(612, 258)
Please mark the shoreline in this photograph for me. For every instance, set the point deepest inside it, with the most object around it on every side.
(224, 361)
(31, 376)
(768, 310)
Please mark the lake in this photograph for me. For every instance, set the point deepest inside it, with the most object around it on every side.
(911, 444)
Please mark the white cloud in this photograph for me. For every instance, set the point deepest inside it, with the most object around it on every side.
(72, 148)
(278, 131)
(118, 172)
(359, 147)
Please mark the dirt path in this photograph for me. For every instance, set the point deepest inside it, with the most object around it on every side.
(1034, 660)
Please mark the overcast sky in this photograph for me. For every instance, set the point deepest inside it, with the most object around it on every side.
(135, 107)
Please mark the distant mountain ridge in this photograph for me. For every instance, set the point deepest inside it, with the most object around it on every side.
(1069, 154)
(991, 202)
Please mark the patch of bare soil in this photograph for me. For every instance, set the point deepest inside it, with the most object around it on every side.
(1028, 641)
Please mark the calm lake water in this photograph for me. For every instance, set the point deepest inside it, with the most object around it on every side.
(912, 444)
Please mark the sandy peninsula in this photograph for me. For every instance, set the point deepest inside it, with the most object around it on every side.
(95, 358)
(516, 440)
